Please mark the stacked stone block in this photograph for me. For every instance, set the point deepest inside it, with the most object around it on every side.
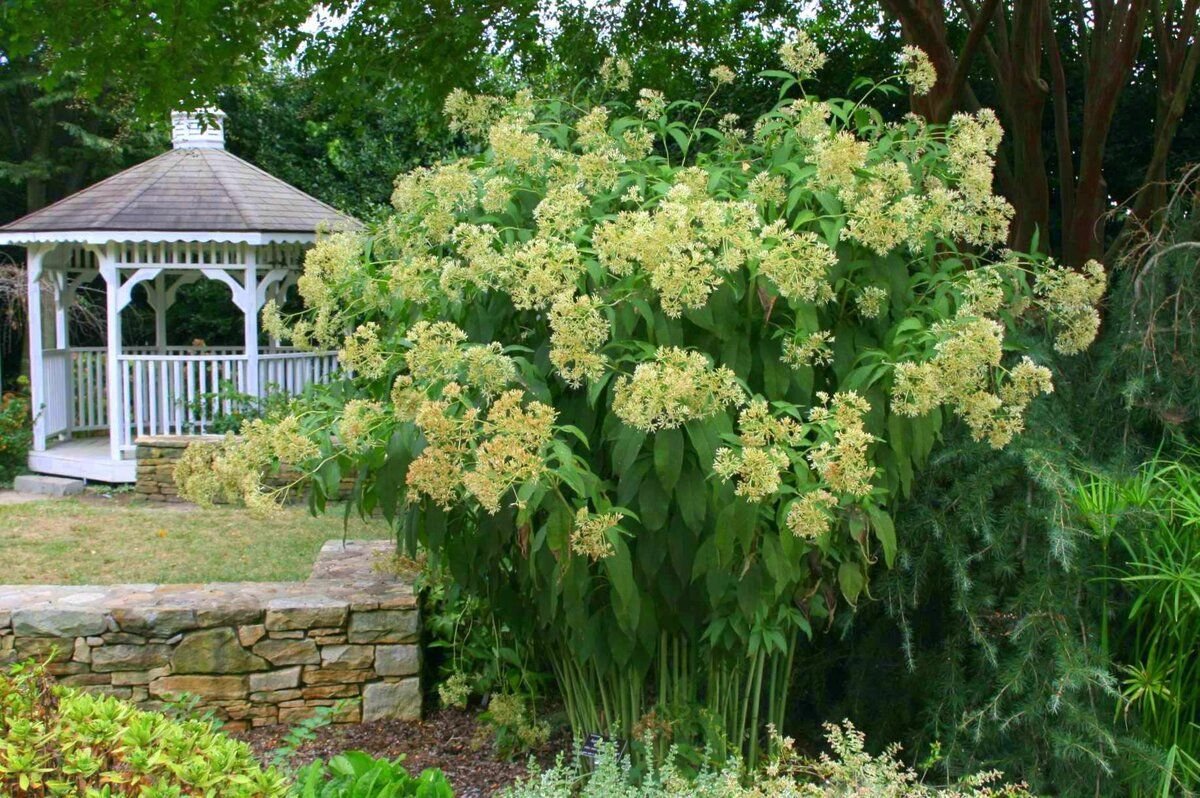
(254, 653)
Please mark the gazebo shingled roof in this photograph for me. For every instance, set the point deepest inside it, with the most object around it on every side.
(186, 190)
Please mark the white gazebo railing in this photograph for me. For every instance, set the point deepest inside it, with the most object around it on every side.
(181, 391)
(57, 417)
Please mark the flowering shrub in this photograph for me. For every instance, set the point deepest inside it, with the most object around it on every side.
(651, 381)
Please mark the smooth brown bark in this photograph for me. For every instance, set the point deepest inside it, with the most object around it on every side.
(1114, 39)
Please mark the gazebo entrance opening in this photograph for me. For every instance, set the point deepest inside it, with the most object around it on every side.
(90, 421)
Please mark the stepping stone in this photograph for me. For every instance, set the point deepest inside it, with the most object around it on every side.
(47, 485)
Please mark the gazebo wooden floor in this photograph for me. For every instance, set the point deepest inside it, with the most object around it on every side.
(86, 458)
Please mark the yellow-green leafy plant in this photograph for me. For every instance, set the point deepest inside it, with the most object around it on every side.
(56, 741)
(651, 381)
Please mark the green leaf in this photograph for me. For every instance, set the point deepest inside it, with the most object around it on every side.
(705, 441)
(653, 504)
(619, 568)
(885, 532)
(629, 446)
(851, 581)
(558, 527)
(735, 523)
(749, 591)
(691, 494)
(668, 457)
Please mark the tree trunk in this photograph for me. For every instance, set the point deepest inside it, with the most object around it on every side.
(1178, 56)
(1116, 37)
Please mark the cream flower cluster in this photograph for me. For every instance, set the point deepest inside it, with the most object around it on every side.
(439, 353)
(965, 372)
(842, 459)
(683, 246)
(359, 420)
(236, 467)
(797, 262)
(676, 387)
(429, 199)
(871, 302)
(886, 208)
(801, 56)
(811, 516)
(617, 73)
(578, 331)
(813, 350)
(1070, 298)
(918, 71)
(362, 352)
(484, 455)
(329, 284)
(471, 114)
(763, 453)
(589, 535)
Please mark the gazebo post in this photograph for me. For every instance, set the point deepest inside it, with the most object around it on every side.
(112, 282)
(250, 313)
(34, 258)
(62, 282)
(159, 303)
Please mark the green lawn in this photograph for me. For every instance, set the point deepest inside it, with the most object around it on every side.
(96, 540)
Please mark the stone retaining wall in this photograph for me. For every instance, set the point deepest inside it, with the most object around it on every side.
(254, 653)
(156, 458)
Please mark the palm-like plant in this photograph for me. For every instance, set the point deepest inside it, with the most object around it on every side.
(1154, 521)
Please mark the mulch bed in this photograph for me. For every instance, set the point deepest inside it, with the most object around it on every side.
(451, 740)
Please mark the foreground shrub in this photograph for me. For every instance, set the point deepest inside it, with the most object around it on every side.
(358, 775)
(55, 741)
(649, 383)
(847, 770)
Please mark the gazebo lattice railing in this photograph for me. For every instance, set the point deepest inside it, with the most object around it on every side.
(179, 391)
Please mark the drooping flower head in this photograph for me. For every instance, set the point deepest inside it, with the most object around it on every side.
(801, 56)
(917, 70)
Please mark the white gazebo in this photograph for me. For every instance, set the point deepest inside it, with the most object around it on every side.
(194, 212)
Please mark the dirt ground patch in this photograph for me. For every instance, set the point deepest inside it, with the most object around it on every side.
(448, 739)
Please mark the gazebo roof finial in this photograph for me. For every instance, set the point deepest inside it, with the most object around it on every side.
(204, 129)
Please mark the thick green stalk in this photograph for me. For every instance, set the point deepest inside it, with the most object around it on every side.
(752, 759)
